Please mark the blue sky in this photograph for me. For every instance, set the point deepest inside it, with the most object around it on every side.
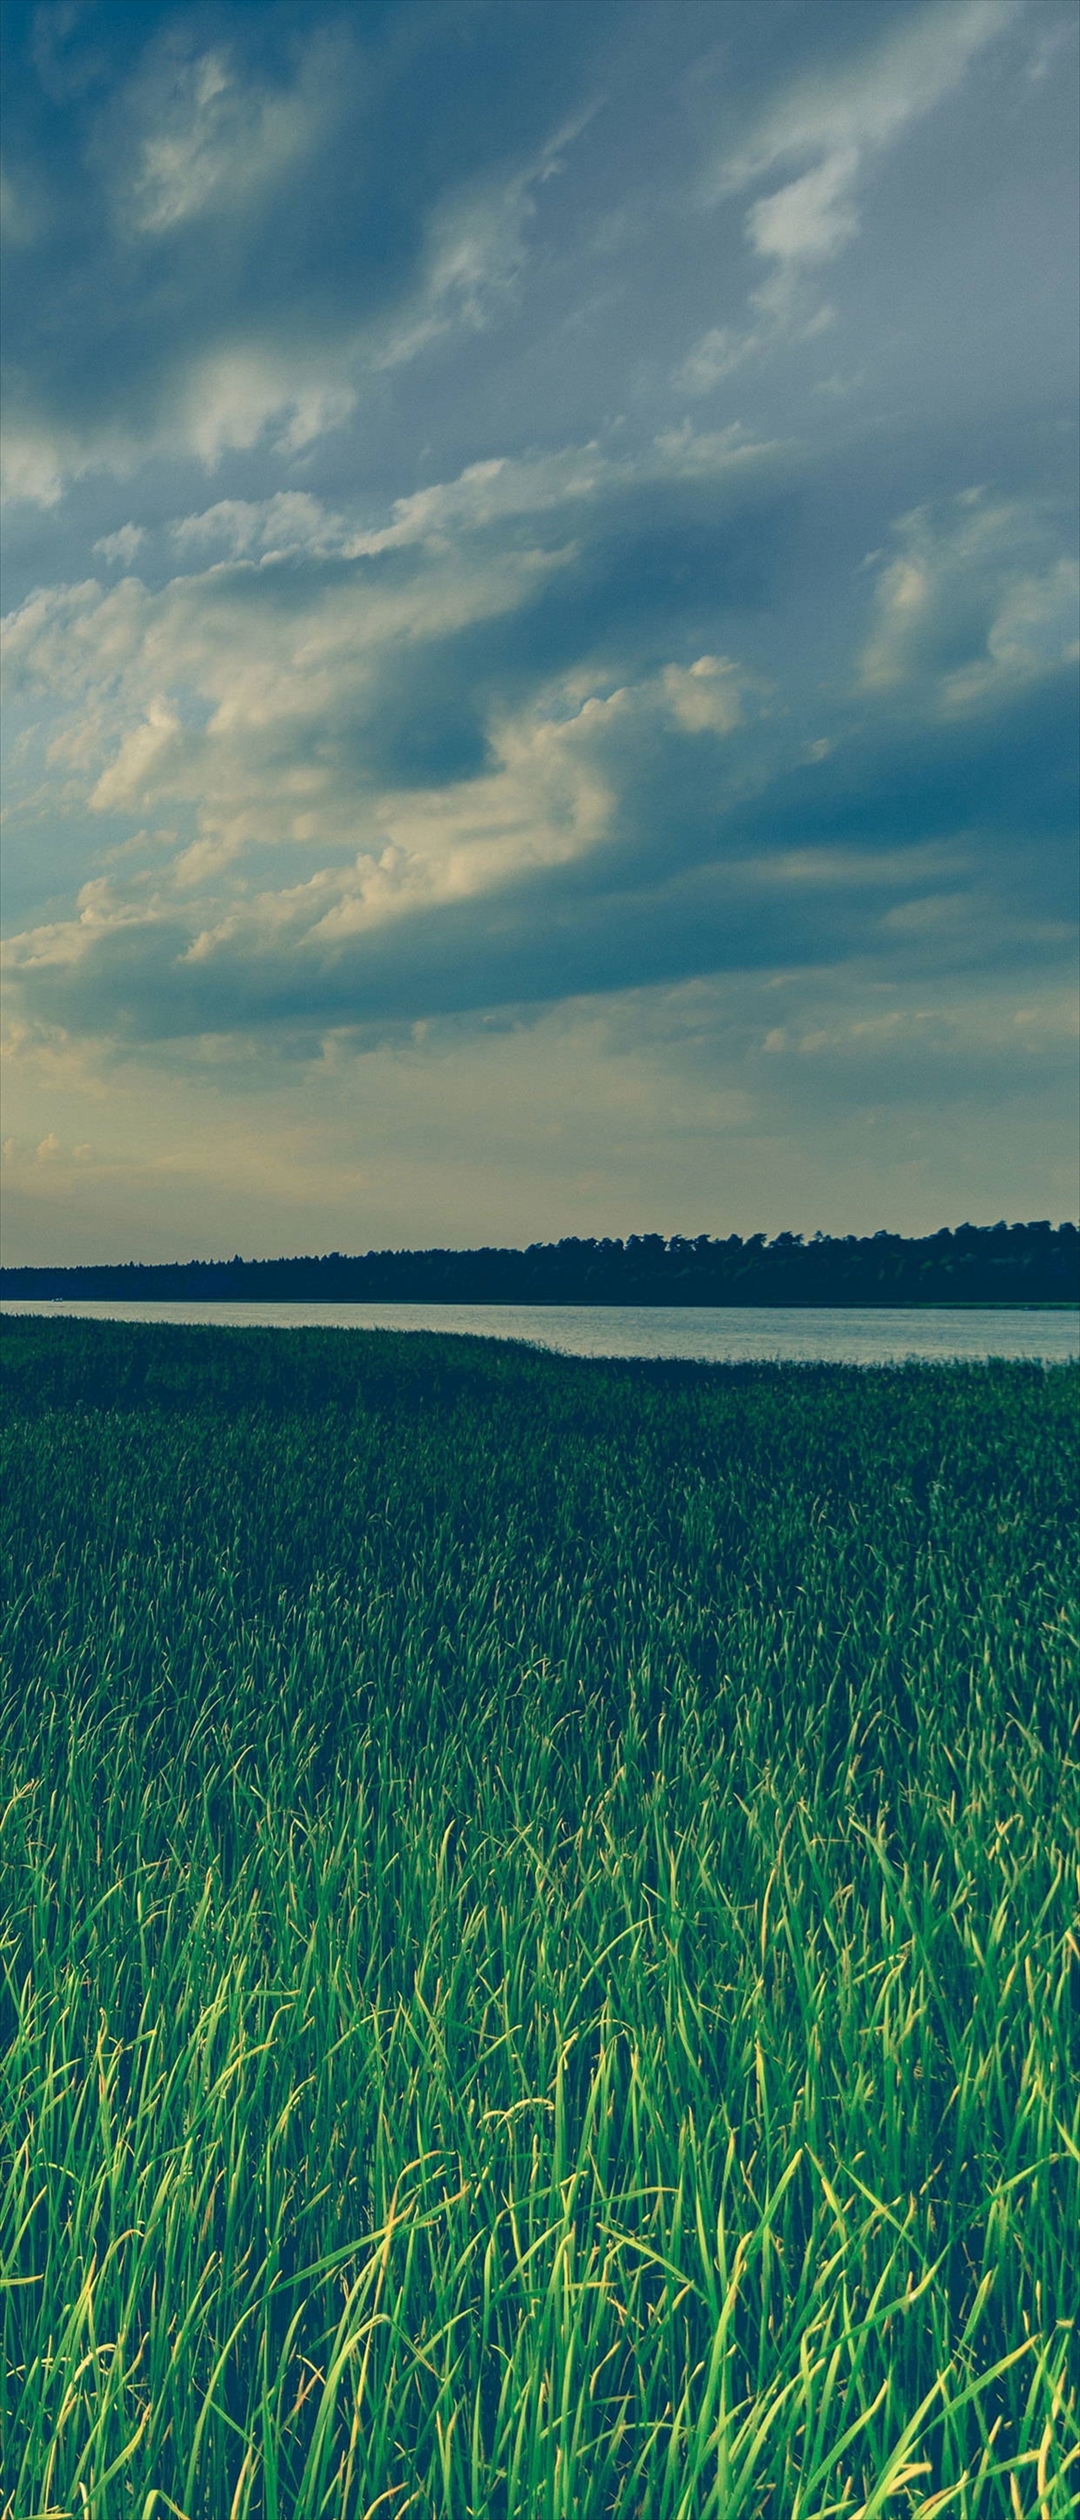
(540, 620)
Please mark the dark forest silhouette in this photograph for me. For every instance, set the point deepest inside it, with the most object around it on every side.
(969, 1264)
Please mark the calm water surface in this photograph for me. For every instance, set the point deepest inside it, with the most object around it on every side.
(859, 1335)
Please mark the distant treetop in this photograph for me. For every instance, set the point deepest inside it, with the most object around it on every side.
(1036, 1263)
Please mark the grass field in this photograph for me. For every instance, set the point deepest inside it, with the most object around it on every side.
(540, 1949)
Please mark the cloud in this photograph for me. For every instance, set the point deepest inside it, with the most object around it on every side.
(179, 938)
(120, 548)
(706, 696)
(421, 740)
(865, 104)
(173, 178)
(281, 692)
(193, 133)
(451, 795)
(528, 886)
(346, 848)
(246, 233)
(841, 123)
(474, 252)
(289, 521)
(140, 767)
(501, 488)
(975, 605)
(809, 220)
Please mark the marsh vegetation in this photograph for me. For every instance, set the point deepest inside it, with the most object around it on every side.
(540, 1963)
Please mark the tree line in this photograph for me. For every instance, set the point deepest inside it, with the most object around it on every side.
(971, 1264)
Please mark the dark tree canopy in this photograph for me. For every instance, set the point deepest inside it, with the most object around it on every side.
(971, 1264)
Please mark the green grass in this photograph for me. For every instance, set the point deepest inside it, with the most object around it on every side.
(540, 1953)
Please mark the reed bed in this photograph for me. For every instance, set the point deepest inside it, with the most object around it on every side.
(540, 1956)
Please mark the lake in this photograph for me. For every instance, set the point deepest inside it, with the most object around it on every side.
(711, 1335)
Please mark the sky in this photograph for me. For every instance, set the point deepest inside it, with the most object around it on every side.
(540, 620)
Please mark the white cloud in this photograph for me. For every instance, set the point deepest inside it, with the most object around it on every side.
(486, 493)
(35, 464)
(192, 136)
(475, 250)
(215, 402)
(120, 547)
(229, 397)
(838, 124)
(502, 487)
(192, 152)
(784, 310)
(289, 521)
(551, 797)
(256, 664)
(195, 136)
(188, 139)
(809, 220)
(73, 640)
(265, 768)
(245, 703)
(865, 106)
(706, 697)
(974, 604)
(144, 756)
(1034, 631)
(718, 353)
